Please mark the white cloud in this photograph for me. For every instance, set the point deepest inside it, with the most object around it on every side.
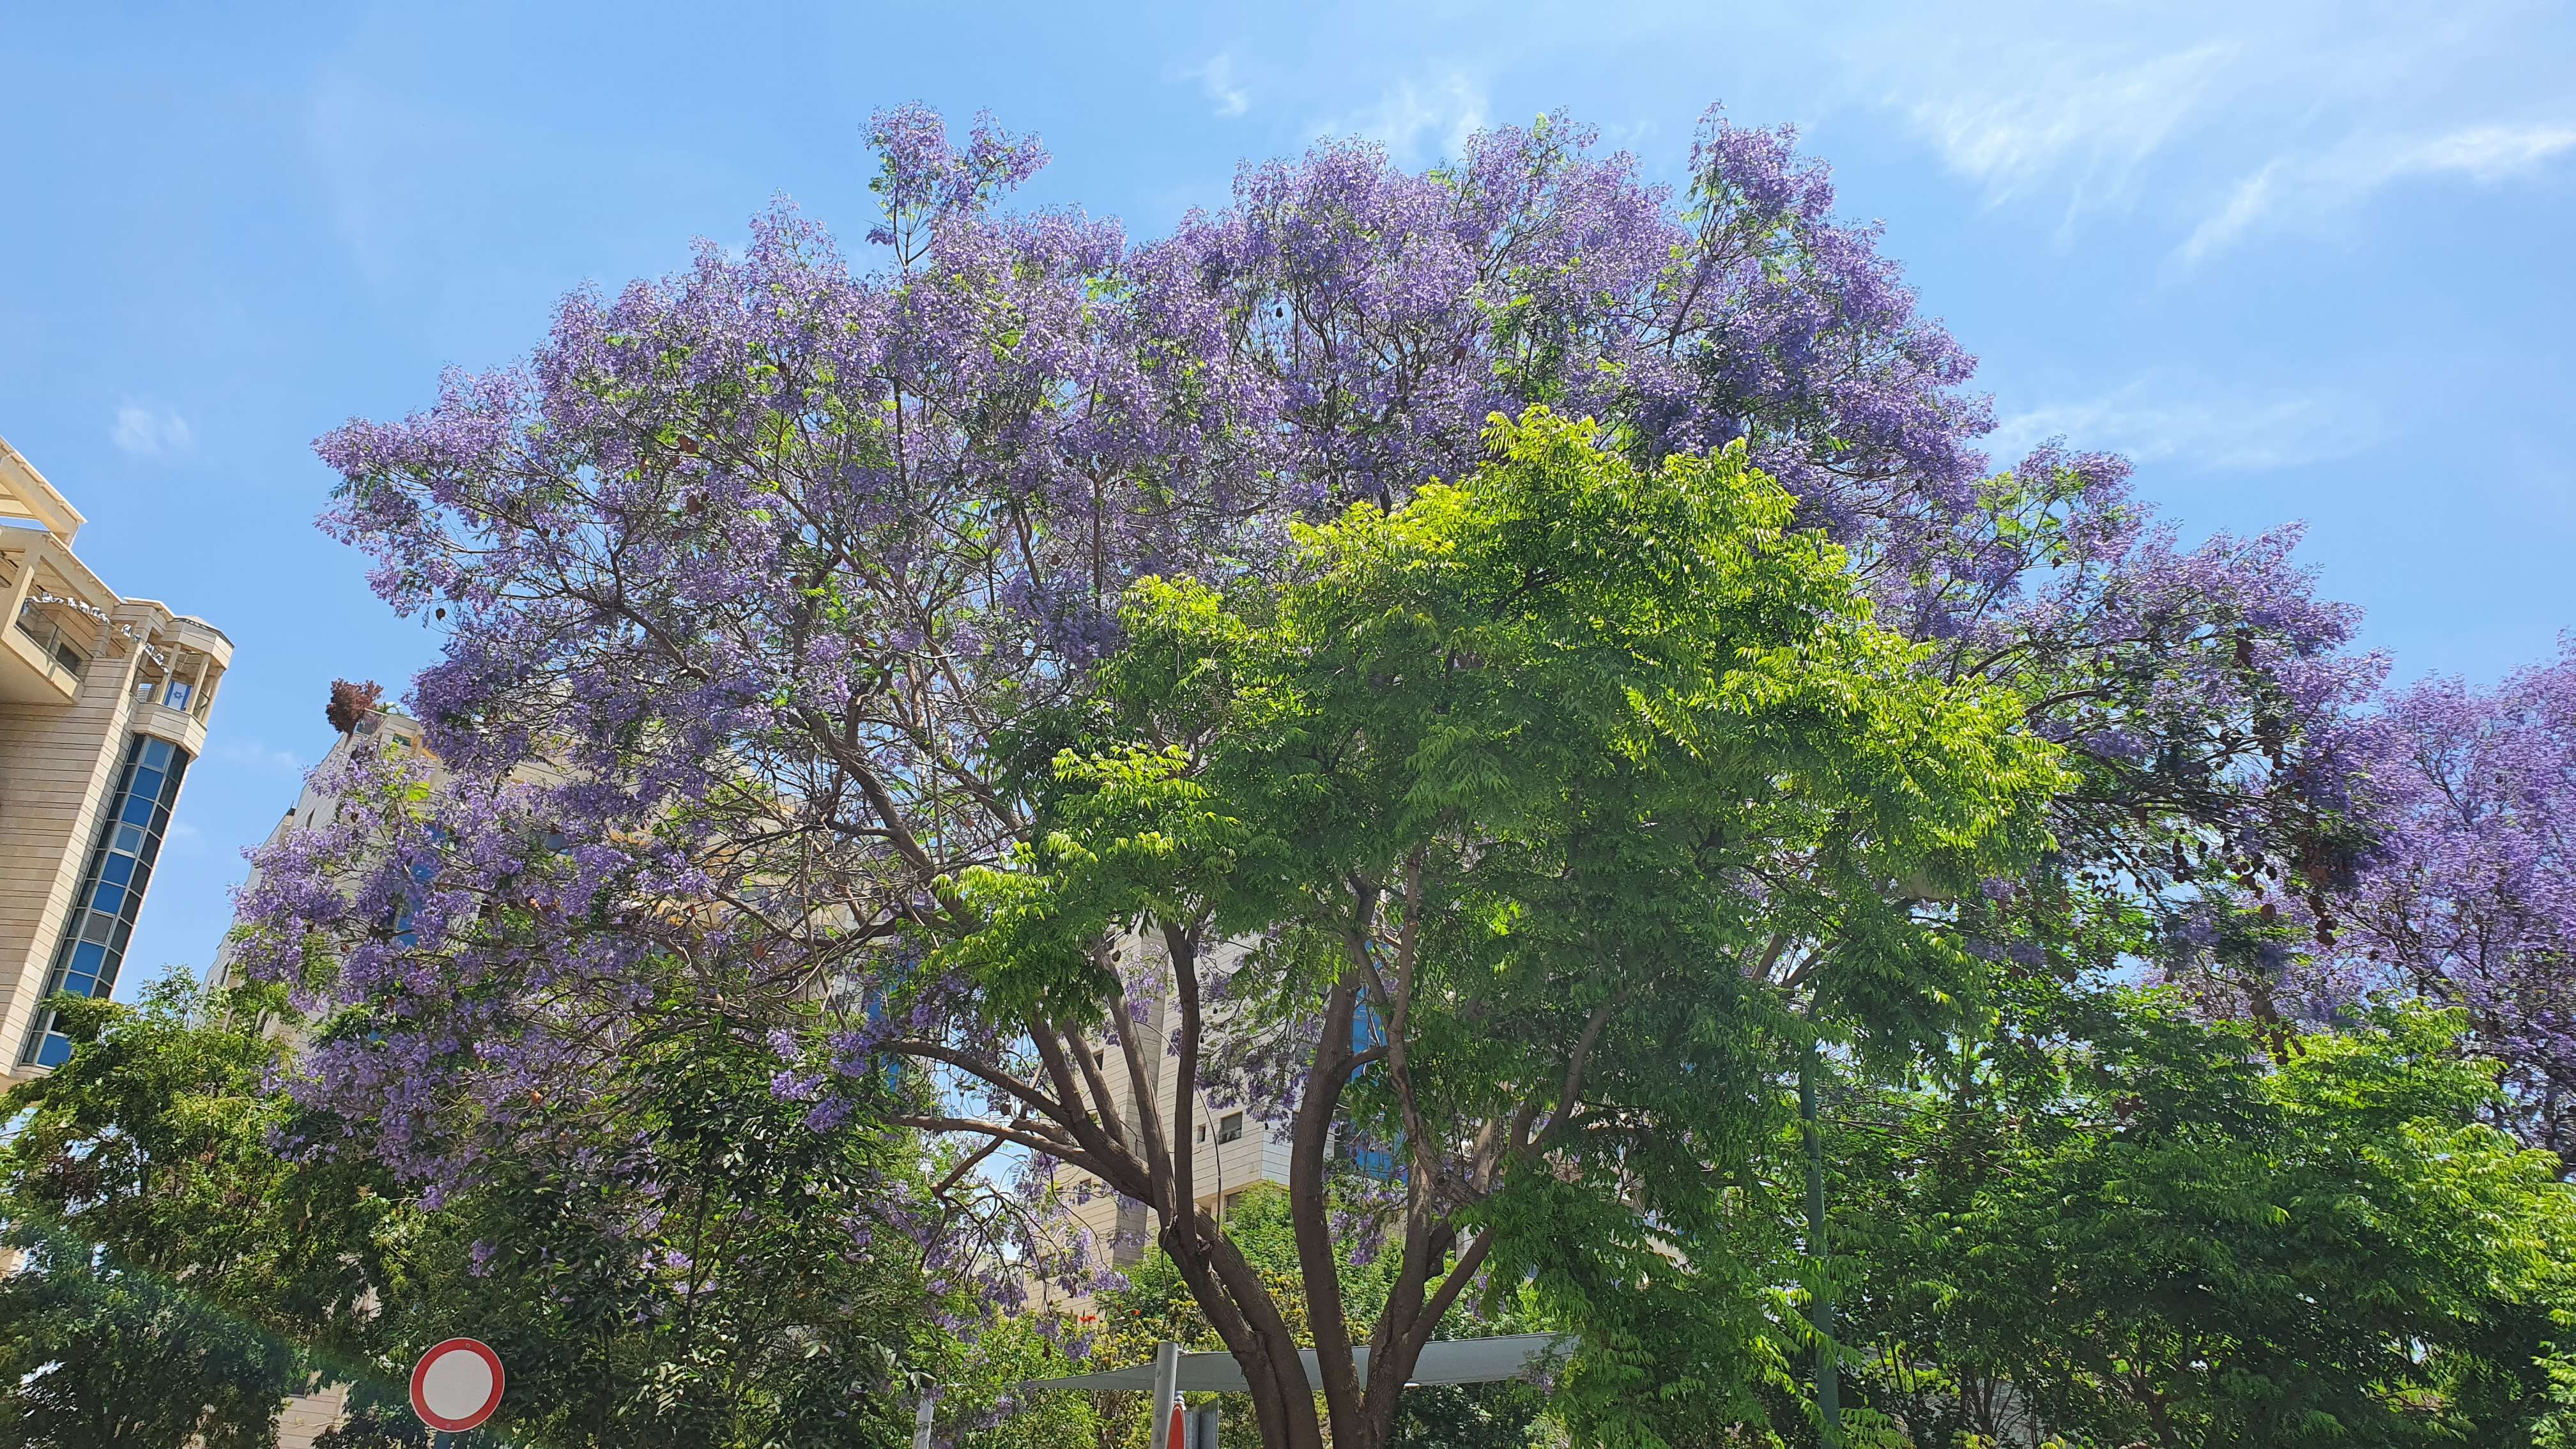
(2253, 198)
(2486, 153)
(1218, 83)
(147, 432)
(2089, 120)
(2321, 188)
(1445, 108)
(2218, 118)
(2157, 419)
(255, 755)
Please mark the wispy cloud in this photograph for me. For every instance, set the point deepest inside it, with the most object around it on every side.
(2252, 200)
(1444, 109)
(2319, 188)
(2087, 120)
(1219, 84)
(255, 755)
(2217, 118)
(144, 431)
(2159, 419)
(2486, 153)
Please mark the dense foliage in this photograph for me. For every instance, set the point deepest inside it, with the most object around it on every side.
(97, 1351)
(2120, 1225)
(732, 1299)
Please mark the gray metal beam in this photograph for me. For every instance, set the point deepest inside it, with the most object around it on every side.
(1443, 1361)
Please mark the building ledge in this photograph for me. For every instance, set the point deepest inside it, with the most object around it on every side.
(175, 725)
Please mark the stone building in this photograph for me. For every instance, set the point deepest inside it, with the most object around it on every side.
(103, 707)
(383, 724)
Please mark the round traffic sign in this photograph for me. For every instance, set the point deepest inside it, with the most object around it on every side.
(456, 1385)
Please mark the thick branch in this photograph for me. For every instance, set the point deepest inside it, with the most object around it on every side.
(1309, 1212)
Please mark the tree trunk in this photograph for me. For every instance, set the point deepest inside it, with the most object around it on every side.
(1820, 1294)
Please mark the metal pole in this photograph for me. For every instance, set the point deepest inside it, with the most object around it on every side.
(1168, 1432)
(1820, 1297)
(921, 1418)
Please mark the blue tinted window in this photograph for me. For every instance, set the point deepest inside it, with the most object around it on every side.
(111, 890)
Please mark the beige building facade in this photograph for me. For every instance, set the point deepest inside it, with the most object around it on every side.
(1232, 1150)
(103, 707)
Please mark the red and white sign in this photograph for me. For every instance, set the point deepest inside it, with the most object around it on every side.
(456, 1385)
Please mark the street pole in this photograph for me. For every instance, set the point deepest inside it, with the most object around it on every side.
(1820, 1297)
(1168, 1430)
(921, 1418)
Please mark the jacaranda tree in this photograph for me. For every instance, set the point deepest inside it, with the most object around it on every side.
(2468, 898)
(773, 592)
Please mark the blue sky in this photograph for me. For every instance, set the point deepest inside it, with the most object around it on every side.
(2301, 261)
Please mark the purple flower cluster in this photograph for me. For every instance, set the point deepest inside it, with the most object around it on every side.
(2470, 897)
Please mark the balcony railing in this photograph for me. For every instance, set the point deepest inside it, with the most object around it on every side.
(47, 633)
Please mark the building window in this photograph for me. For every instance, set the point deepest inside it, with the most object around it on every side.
(1229, 1128)
(1370, 1159)
(111, 889)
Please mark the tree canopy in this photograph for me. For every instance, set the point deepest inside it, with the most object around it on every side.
(2122, 1225)
(1513, 662)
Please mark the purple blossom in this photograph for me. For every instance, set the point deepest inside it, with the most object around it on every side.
(2470, 895)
